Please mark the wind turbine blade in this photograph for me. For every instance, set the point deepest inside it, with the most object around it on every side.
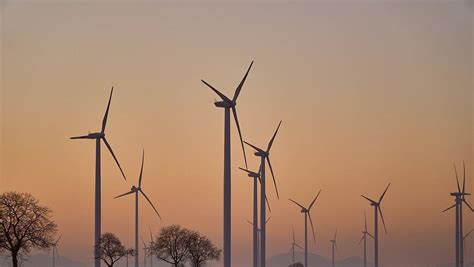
(383, 220)
(57, 252)
(335, 235)
(363, 236)
(314, 200)
(468, 233)
(149, 201)
(370, 235)
(293, 228)
(245, 170)
(273, 176)
(268, 219)
(124, 194)
(268, 204)
(273, 138)
(151, 235)
(234, 111)
(296, 203)
(312, 227)
(113, 155)
(365, 218)
(464, 178)
(381, 197)
(254, 147)
(298, 246)
(141, 170)
(80, 137)
(249, 222)
(57, 240)
(221, 95)
(144, 245)
(104, 121)
(457, 179)
(449, 208)
(467, 203)
(237, 90)
(372, 201)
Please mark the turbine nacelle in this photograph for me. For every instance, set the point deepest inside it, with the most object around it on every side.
(225, 104)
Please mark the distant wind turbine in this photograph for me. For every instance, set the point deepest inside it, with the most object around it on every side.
(229, 104)
(460, 199)
(136, 190)
(55, 250)
(293, 245)
(377, 209)
(255, 176)
(334, 247)
(151, 254)
(145, 249)
(255, 226)
(264, 155)
(98, 137)
(365, 233)
(307, 215)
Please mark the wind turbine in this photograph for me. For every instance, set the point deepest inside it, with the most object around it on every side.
(98, 137)
(229, 104)
(293, 245)
(255, 226)
(264, 155)
(306, 215)
(377, 209)
(151, 254)
(138, 190)
(459, 198)
(145, 249)
(334, 247)
(55, 249)
(255, 176)
(365, 233)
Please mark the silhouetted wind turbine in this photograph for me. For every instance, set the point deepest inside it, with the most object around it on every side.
(151, 254)
(264, 155)
(255, 176)
(307, 214)
(55, 250)
(293, 245)
(365, 233)
(334, 247)
(459, 197)
(145, 249)
(229, 104)
(255, 226)
(136, 190)
(98, 137)
(377, 209)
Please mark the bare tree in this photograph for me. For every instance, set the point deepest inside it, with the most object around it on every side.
(130, 253)
(24, 225)
(201, 249)
(111, 249)
(171, 245)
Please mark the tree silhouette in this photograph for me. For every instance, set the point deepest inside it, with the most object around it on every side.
(201, 249)
(24, 225)
(111, 249)
(171, 245)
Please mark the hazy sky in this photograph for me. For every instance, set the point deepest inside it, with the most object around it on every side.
(369, 93)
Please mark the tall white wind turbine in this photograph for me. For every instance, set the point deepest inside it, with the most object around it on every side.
(98, 137)
(138, 190)
(365, 233)
(264, 155)
(307, 215)
(255, 226)
(229, 104)
(377, 209)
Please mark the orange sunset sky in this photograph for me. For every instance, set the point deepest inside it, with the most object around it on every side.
(369, 92)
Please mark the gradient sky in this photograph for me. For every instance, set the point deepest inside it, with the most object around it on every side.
(369, 93)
